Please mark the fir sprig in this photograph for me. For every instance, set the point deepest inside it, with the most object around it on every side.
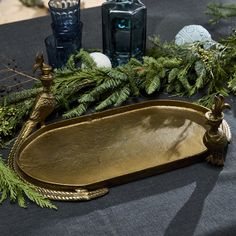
(221, 11)
(113, 87)
(11, 117)
(13, 187)
(17, 97)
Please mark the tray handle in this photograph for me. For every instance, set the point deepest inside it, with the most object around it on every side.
(216, 139)
(44, 105)
(45, 101)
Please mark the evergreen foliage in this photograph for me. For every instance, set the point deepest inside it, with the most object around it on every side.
(13, 187)
(11, 116)
(221, 11)
(18, 97)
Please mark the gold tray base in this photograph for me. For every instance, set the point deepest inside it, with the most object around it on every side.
(79, 159)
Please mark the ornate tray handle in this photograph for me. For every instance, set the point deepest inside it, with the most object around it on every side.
(45, 102)
(215, 139)
(44, 105)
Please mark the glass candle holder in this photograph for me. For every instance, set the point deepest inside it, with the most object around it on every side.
(124, 30)
(65, 17)
(59, 50)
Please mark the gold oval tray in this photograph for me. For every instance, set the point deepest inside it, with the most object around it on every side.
(79, 159)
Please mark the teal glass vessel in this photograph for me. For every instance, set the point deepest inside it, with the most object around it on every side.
(65, 16)
(124, 30)
(67, 31)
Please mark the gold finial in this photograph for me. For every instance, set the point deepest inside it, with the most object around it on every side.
(215, 139)
(46, 70)
(219, 106)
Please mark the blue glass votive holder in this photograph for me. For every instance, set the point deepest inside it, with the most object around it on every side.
(65, 17)
(59, 50)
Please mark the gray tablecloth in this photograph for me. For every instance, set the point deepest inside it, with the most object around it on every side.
(196, 200)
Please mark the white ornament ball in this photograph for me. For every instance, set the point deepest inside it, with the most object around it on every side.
(191, 34)
(100, 59)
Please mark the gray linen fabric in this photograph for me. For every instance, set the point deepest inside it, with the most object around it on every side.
(196, 200)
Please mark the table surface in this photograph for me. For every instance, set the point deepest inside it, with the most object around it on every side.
(196, 200)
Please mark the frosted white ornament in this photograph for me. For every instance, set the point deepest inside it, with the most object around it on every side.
(191, 34)
(100, 59)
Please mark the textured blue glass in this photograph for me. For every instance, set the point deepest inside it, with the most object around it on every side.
(124, 30)
(67, 31)
(59, 50)
(65, 17)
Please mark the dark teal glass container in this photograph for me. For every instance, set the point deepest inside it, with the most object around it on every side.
(67, 31)
(65, 16)
(59, 50)
(124, 30)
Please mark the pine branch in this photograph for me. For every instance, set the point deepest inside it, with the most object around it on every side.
(77, 111)
(124, 96)
(201, 74)
(83, 56)
(166, 49)
(232, 82)
(116, 98)
(208, 100)
(17, 97)
(221, 11)
(87, 59)
(11, 117)
(183, 79)
(11, 185)
(153, 84)
(130, 75)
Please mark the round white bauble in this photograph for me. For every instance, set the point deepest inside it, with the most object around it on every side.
(191, 34)
(100, 59)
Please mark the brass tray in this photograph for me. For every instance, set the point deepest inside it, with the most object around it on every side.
(79, 159)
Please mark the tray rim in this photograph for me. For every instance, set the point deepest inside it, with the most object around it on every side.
(89, 117)
(103, 114)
